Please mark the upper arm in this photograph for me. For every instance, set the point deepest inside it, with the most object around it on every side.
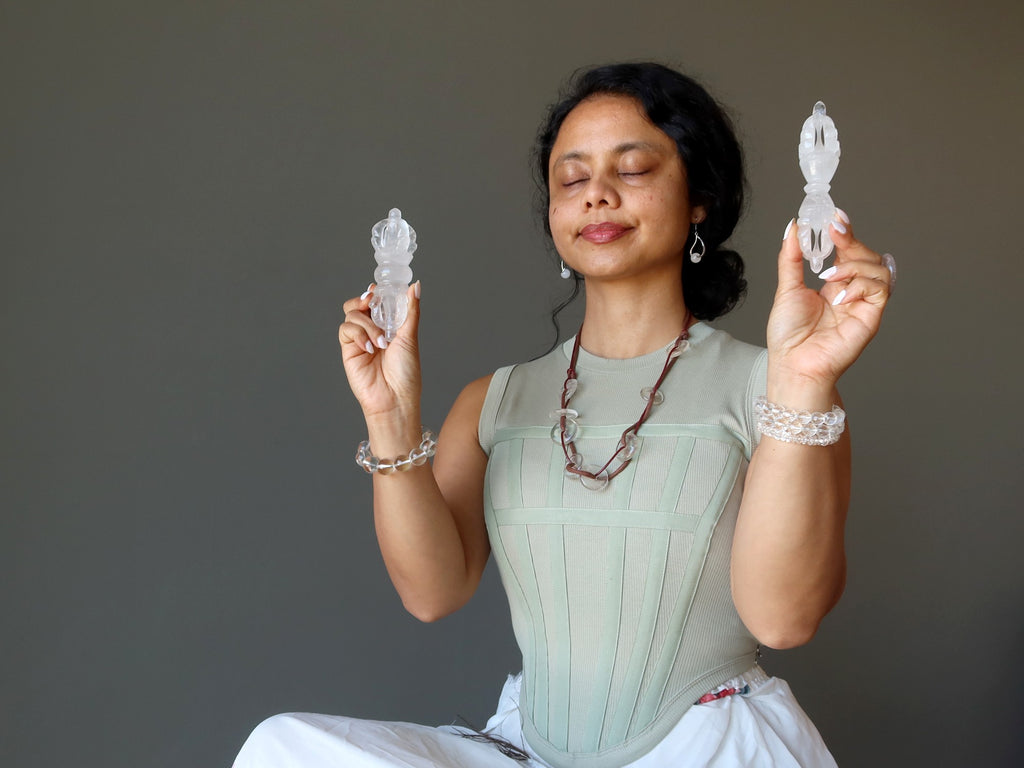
(459, 467)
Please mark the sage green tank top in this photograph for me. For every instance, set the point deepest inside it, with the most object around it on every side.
(620, 598)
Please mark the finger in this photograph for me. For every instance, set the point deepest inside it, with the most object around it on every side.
(848, 247)
(360, 302)
(849, 270)
(791, 261)
(373, 331)
(357, 311)
(358, 316)
(862, 289)
(356, 339)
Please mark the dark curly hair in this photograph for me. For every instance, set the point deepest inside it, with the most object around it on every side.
(712, 156)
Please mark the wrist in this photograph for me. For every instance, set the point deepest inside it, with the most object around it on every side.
(394, 432)
(800, 392)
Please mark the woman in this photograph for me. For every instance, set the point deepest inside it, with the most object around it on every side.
(641, 584)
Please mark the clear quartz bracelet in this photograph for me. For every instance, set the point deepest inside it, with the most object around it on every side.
(415, 458)
(804, 427)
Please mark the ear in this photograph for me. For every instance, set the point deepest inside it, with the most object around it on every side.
(697, 214)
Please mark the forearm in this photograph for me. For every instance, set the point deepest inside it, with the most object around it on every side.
(429, 519)
(788, 559)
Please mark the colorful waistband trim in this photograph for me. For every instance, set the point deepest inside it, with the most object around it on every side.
(739, 685)
(721, 694)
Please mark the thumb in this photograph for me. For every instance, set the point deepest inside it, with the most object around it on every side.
(791, 261)
(410, 328)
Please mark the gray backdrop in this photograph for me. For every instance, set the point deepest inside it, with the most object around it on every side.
(186, 192)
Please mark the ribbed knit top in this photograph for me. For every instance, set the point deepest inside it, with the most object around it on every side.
(620, 598)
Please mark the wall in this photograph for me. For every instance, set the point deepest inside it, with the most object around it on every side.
(186, 191)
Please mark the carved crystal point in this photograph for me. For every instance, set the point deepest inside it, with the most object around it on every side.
(393, 243)
(819, 157)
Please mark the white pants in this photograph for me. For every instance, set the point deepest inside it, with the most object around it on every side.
(765, 727)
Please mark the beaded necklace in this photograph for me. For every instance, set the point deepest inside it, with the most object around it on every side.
(567, 427)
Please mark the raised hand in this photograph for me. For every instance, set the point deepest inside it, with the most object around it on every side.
(384, 376)
(815, 335)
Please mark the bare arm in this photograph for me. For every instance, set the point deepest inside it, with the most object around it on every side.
(429, 520)
(788, 558)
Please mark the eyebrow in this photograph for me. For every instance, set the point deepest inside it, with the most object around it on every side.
(621, 149)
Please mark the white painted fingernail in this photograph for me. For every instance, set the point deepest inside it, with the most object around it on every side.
(365, 295)
(383, 343)
(827, 273)
(839, 298)
(842, 215)
(369, 348)
(838, 226)
(416, 289)
(788, 227)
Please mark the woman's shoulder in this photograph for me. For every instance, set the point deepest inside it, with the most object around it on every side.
(537, 371)
(510, 386)
(722, 344)
(476, 390)
(733, 360)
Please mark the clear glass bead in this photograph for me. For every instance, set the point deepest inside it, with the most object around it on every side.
(372, 464)
(630, 444)
(402, 463)
(572, 429)
(362, 452)
(596, 483)
(418, 457)
(683, 346)
(570, 387)
(558, 413)
(385, 467)
(646, 393)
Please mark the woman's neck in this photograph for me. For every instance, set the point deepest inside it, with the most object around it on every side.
(623, 321)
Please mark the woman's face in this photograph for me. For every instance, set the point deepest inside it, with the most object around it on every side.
(619, 204)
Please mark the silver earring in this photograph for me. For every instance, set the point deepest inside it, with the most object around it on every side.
(695, 254)
(566, 273)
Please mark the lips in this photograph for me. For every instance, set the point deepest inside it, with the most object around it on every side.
(604, 232)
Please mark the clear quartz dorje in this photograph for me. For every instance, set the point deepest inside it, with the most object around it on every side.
(819, 157)
(393, 243)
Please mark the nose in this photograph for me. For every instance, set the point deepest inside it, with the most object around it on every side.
(601, 192)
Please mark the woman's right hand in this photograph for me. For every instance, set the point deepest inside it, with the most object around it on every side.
(384, 376)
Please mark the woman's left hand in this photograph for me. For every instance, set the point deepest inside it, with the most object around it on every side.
(816, 335)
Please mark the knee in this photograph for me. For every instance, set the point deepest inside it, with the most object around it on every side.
(268, 742)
